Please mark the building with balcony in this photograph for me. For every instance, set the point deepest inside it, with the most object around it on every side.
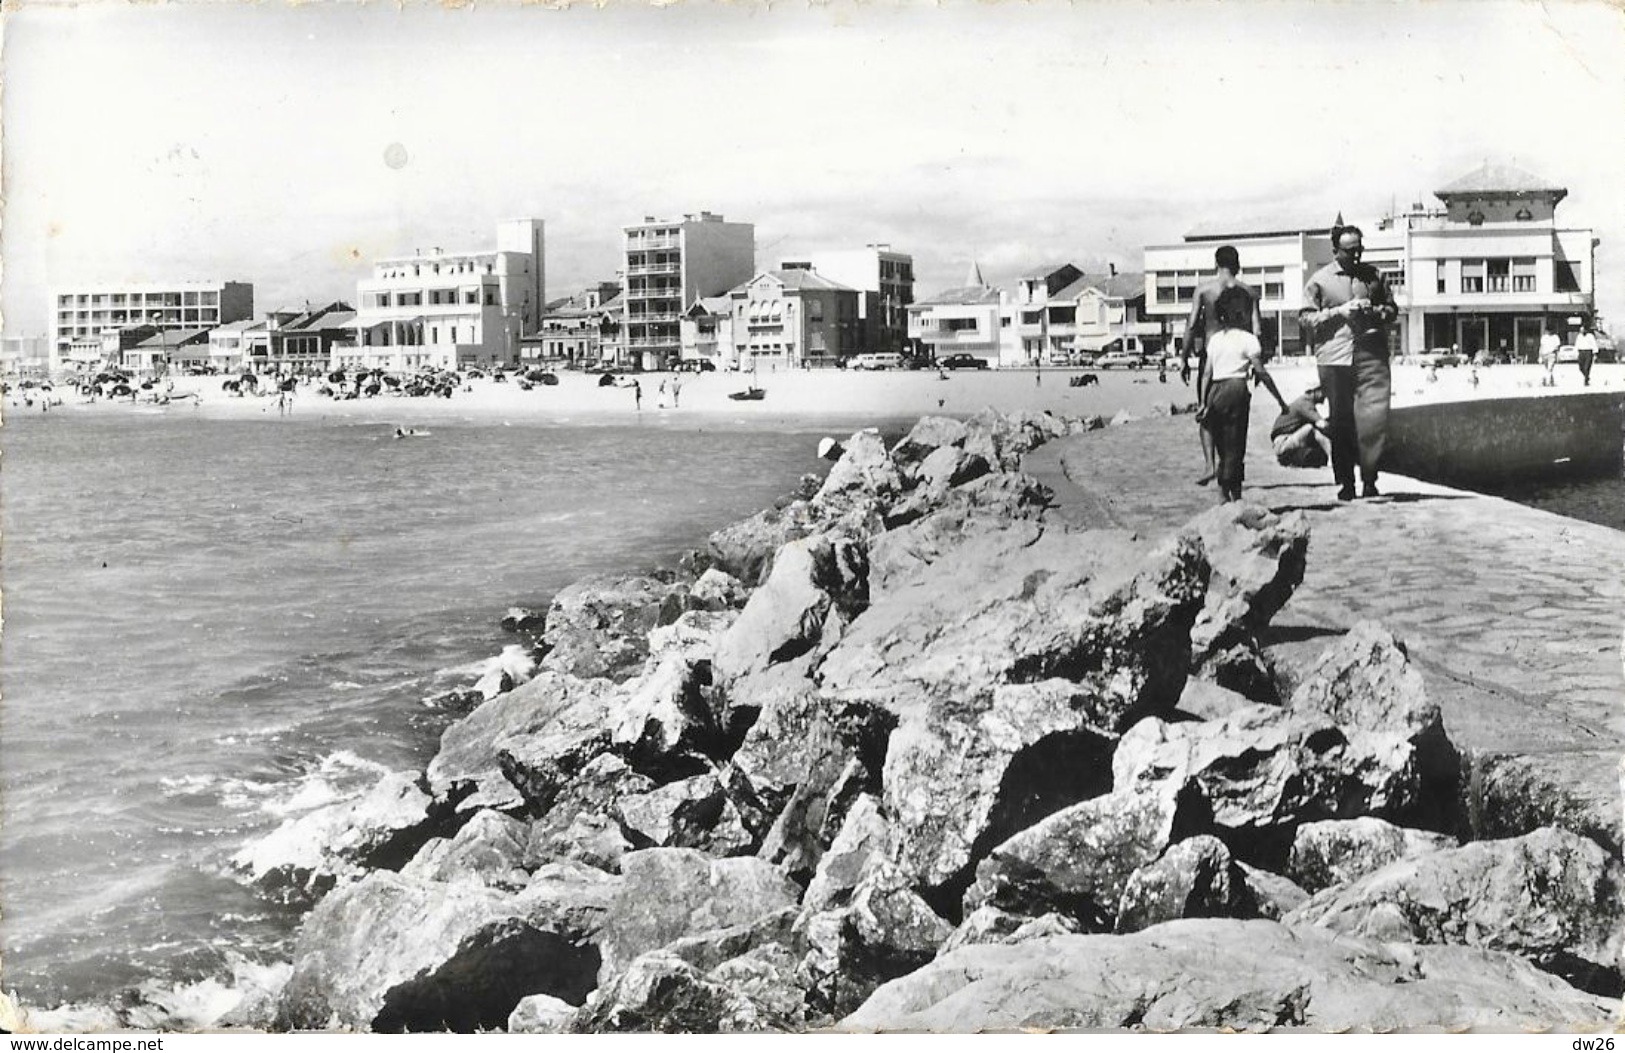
(576, 330)
(706, 332)
(885, 282)
(81, 316)
(1108, 310)
(792, 319)
(967, 319)
(452, 310)
(668, 267)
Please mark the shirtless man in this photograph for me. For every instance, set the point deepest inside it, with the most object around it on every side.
(1201, 325)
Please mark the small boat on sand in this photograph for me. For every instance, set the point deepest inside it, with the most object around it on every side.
(750, 394)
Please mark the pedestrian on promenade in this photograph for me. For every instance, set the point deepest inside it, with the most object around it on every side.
(1199, 329)
(1295, 435)
(1234, 356)
(1585, 348)
(1549, 343)
(1347, 310)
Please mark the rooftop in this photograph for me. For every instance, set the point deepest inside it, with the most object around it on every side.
(1500, 179)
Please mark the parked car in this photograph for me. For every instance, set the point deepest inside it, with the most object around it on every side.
(696, 365)
(1567, 354)
(877, 360)
(1441, 356)
(962, 361)
(1126, 359)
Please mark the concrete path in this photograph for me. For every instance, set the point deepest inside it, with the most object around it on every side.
(1513, 615)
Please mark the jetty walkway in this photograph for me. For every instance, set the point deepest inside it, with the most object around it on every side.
(1514, 615)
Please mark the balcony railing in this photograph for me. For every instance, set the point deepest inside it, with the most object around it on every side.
(652, 316)
(652, 341)
(637, 242)
(674, 267)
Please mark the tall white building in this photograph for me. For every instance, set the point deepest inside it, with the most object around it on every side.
(884, 280)
(453, 309)
(668, 267)
(82, 315)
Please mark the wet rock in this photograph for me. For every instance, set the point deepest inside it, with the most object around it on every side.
(1262, 771)
(1257, 560)
(556, 715)
(540, 1015)
(1195, 878)
(393, 954)
(1339, 851)
(599, 626)
(689, 813)
(812, 580)
(885, 931)
(523, 619)
(307, 855)
(666, 894)
(1550, 896)
(1078, 861)
(489, 849)
(992, 925)
(1222, 973)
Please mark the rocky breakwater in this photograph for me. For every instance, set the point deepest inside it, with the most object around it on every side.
(905, 752)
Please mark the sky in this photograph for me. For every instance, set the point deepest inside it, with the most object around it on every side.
(288, 145)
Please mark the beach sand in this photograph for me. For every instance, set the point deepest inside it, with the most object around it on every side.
(837, 395)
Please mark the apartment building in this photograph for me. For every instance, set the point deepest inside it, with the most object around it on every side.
(669, 266)
(793, 319)
(575, 331)
(452, 310)
(80, 316)
(1108, 311)
(967, 319)
(706, 332)
(884, 280)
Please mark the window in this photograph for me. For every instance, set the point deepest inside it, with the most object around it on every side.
(815, 310)
(490, 297)
(958, 325)
(1440, 272)
(471, 296)
(1500, 275)
(1472, 276)
(1523, 275)
(1030, 317)
(1563, 276)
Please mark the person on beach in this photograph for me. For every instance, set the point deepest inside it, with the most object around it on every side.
(1347, 310)
(1199, 329)
(1549, 343)
(637, 396)
(1234, 356)
(1585, 350)
(660, 396)
(1295, 433)
(676, 390)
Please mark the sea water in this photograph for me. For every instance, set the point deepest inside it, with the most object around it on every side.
(212, 626)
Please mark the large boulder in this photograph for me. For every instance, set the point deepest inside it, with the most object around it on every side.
(663, 726)
(863, 838)
(580, 824)
(390, 953)
(1550, 896)
(935, 476)
(928, 436)
(666, 894)
(996, 509)
(988, 924)
(1339, 851)
(1195, 878)
(540, 1015)
(309, 854)
(599, 626)
(555, 714)
(1078, 861)
(688, 813)
(491, 849)
(745, 549)
(864, 470)
(662, 992)
(812, 580)
(1257, 560)
(1262, 771)
(1223, 973)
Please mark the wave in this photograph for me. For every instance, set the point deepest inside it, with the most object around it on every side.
(242, 998)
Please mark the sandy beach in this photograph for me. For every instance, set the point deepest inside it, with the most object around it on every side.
(837, 395)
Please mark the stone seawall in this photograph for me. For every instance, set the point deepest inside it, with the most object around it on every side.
(1491, 441)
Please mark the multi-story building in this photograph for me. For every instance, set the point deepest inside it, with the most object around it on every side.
(668, 267)
(1042, 310)
(25, 355)
(453, 309)
(573, 330)
(1109, 310)
(81, 315)
(1488, 271)
(885, 281)
(792, 319)
(967, 319)
(706, 330)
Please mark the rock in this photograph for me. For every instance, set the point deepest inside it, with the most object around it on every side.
(864, 469)
(1193, 879)
(664, 728)
(884, 932)
(1242, 667)
(793, 744)
(599, 626)
(862, 839)
(692, 637)
(1078, 861)
(506, 671)
(556, 714)
(590, 839)
(1338, 851)
(570, 897)
(992, 925)
(1511, 794)
(928, 436)
(1550, 896)
(738, 704)
(1205, 700)
(811, 818)
(579, 825)
(1365, 680)
(656, 992)
(944, 469)
(991, 514)
(307, 855)
(489, 849)
(1257, 560)
(523, 619)
(764, 991)
(745, 549)
(1262, 771)
(1222, 973)
(540, 1015)
(717, 590)
(668, 893)
(393, 954)
(1274, 896)
(689, 813)
(707, 950)
(811, 580)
